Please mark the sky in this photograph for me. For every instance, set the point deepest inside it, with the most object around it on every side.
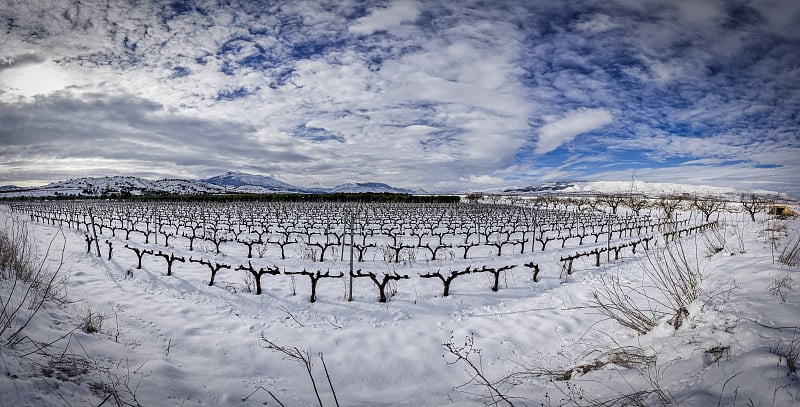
(444, 96)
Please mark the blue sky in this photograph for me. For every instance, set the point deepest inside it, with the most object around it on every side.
(438, 95)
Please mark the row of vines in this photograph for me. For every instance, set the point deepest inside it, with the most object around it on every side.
(453, 235)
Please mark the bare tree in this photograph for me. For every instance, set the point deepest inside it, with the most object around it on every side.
(669, 204)
(753, 204)
(636, 203)
(613, 201)
(708, 205)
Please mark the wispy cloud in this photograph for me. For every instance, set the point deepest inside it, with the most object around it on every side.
(562, 130)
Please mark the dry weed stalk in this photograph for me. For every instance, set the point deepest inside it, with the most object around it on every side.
(674, 282)
(303, 358)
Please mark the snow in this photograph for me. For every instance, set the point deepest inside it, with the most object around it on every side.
(627, 187)
(359, 187)
(176, 341)
(239, 179)
(229, 182)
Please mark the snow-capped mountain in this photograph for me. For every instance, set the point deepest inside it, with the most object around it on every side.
(624, 187)
(105, 186)
(243, 183)
(230, 182)
(240, 180)
(360, 187)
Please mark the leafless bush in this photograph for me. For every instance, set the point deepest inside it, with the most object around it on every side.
(629, 357)
(715, 354)
(777, 286)
(25, 283)
(120, 389)
(790, 255)
(470, 356)
(621, 302)
(739, 232)
(26, 286)
(675, 274)
(497, 392)
(248, 281)
(388, 253)
(789, 352)
(654, 376)
(715, 240)
(92, 321)
(674, 282)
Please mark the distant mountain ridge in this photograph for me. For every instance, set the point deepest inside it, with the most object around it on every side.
(625, 187)
(244, 180)
(229, 182)
(240, 179)
(368, 187)
(242, 183)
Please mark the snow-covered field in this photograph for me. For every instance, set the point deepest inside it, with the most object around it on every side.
(174, 340)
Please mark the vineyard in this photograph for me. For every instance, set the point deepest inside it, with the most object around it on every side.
(501, 301)
(322, 240)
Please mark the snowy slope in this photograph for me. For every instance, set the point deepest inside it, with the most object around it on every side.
(173, 340)
(241, 180)
(360, 187)
(626, 187)
(262, 183)
(97, 186)
(230, 182)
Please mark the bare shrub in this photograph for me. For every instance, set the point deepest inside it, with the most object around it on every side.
(708, 205)
(790, 255)
(620, 302)
(495, 392)
(470, 356)
(92, 321)
(715, 241)
(261, 249)
(715, 354)
(777, 286)
(753, 204)
(675, 275)
(789, 352)
(673, 283)
(25, 283)
(739, 232)
(629, 357)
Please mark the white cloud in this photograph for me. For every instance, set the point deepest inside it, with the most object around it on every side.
(597, 24)
(485, 179)
(30, 80)
(554, 134)
(386, 19)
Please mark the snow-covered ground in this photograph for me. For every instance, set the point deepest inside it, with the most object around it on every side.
(173, 340)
